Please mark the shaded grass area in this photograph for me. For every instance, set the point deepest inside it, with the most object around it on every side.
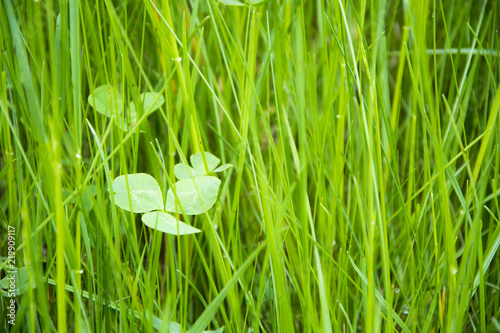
(365, 143)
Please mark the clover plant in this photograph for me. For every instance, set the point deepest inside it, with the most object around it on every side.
(108, 101)
(196, 192)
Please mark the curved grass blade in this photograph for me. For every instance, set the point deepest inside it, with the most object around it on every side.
(211, 310)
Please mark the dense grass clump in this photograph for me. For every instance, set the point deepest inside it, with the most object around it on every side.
(364, 138)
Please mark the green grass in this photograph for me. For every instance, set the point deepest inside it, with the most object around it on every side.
(364, 139)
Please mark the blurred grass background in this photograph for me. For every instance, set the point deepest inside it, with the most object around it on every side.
(365, 142)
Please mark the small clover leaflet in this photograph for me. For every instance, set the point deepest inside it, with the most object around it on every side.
(183, 171)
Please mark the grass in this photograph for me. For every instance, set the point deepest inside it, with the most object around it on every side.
(365, 143)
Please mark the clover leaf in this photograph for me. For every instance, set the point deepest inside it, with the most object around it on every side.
(138, 193)
(167, 223)
(151, 102)
(20, 279)
(194, 194)
(183, 171)
(108, 101)
(199, 165)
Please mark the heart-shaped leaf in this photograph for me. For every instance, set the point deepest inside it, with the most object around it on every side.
(18, 281)
(222, 168)
(182, 171)
(232, 3)
(142, 194)
(151, 102)
(106, 100)
(190, 201)
(197, 162)
(167, 223)
(257, 3)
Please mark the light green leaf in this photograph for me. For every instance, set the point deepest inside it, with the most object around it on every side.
(257, 3)
(127, 121)
(174, 328)
(232, 3)
(167, 223)
(144, 191)
(152, 101)
(191, 202)
(223, 167)
(20, 280)
(197, 162)
(106, 100)
(182, 171)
